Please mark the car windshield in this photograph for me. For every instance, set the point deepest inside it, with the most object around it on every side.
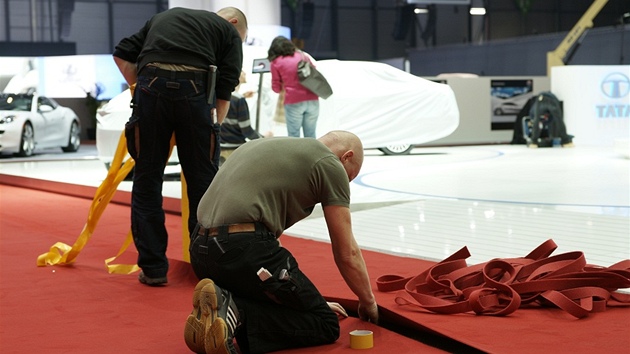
(15, 102)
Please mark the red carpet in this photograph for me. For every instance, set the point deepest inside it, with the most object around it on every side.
(81, 308)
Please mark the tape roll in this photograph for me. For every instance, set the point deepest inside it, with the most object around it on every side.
(361, 339)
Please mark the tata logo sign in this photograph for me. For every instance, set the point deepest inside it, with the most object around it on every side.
(615, 86)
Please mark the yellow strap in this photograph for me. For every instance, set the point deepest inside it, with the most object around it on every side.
(122, 268)
(54, 255)
(62, 254)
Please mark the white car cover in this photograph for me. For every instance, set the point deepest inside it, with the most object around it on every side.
(384, 105)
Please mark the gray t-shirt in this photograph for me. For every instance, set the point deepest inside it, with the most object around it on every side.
(276, 181)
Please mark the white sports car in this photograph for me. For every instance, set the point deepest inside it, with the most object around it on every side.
(29, 122)
(389, 109)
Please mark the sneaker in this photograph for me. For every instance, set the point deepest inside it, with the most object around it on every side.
(195, 329)
(151, 281)
(211, 325)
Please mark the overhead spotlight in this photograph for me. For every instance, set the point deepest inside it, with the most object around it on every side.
(477, 11)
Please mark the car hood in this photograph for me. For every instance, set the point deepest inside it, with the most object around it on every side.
(16, 114)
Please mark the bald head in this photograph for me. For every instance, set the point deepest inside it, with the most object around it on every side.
(348, 148)
(237, 18)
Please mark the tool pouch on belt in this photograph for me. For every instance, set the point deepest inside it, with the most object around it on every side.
(284, 288)
(212, 80)
(132, 134)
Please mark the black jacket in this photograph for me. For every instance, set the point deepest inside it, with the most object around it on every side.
(188, 37)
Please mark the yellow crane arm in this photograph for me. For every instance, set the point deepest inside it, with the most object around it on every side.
(564, 51)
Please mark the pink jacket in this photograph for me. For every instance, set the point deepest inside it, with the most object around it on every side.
(284, 75)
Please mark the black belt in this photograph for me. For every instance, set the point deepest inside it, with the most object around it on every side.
(231, 229)
(170, 74)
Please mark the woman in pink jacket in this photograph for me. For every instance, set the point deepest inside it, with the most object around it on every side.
(301, 106)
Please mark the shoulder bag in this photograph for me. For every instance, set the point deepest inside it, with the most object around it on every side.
(312, 79)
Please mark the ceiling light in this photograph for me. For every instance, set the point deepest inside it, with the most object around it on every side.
(479, 11)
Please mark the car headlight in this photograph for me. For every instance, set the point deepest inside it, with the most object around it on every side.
(7, 119)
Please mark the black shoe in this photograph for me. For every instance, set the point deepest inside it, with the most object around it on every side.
(151, 281)
(211, 325)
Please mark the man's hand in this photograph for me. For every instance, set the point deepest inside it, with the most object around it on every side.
(369, 312)
(349, 260)
(338, 309)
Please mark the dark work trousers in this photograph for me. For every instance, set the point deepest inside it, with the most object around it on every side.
(163, 106)
(276, 314)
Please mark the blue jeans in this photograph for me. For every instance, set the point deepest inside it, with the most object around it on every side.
(163, 106)
(276, 314)
(302, 115)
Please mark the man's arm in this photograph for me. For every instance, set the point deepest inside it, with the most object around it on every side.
(127, 69)
(223, 107)
(349, 259)
(276, 81)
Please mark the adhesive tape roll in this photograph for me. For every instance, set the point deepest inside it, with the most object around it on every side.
(361, 339)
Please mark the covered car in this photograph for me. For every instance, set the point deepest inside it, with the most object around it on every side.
(29, 122)
(389, 109)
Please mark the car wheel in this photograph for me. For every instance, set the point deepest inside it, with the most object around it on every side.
(27, 142)
(74, 141)
(400, 149)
